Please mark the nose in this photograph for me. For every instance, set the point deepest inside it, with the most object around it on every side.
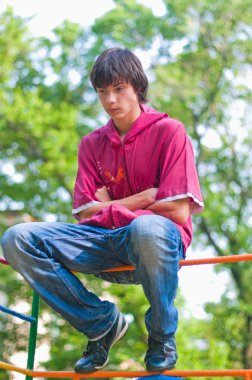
(110, 97)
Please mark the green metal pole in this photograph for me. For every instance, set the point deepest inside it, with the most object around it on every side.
(33, 334)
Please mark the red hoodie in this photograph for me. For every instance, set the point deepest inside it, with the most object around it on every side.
(156, 152)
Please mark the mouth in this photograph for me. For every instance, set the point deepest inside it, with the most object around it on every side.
(113, 110)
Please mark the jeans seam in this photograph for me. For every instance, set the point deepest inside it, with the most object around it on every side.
(56, 237)
(66, 284)
(177, 238)
(125, 248)
(73, 293)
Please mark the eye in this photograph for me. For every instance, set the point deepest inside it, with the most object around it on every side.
(100, 90)
(120, 88)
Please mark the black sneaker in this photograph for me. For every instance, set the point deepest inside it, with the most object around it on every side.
(96, 355)
(161, 355)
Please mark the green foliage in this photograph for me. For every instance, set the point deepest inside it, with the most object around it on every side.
(199, 73)
(42, 118)
(128, 14)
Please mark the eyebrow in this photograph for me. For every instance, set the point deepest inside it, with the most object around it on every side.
(118, 84)
(114, 85)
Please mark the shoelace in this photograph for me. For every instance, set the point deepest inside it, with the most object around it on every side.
(154, 346)
(162, 347)
(95, 348)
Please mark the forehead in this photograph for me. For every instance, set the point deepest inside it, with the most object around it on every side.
(114, 84)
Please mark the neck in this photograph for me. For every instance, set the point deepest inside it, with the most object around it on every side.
(124, 125)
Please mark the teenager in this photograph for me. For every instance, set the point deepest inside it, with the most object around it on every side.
(135, 190)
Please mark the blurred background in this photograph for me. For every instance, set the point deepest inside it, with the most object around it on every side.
(197, 55)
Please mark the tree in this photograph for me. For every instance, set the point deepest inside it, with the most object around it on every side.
(200, 64)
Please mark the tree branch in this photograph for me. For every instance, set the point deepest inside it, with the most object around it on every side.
(205, 229)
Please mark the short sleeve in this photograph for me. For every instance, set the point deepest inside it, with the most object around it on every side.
(87, 179)
(178, 174)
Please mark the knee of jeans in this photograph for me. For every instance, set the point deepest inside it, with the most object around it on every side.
(147, 234)
(151, 227)
(12, 239)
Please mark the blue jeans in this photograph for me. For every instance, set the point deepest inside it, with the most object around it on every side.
(45, 254)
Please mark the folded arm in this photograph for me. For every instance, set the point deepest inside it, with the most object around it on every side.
(134, 202)
(178, 211)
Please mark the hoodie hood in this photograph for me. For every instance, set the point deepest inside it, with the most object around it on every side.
(148, 117)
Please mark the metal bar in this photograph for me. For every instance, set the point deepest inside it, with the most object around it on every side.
(245, 373)
(16, 314)
(208, 260)
(218, 260)
(186, 262)
(33, 334)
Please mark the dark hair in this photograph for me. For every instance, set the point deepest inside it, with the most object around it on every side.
(117, 64)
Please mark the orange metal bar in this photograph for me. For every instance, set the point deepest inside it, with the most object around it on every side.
(218, 260)
(248, 376)
(245, 373)
(208, 260)
(134, 374)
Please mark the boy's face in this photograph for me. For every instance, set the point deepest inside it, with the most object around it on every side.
(119, 100)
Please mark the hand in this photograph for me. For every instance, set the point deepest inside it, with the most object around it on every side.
(102, 194)
(150, 194)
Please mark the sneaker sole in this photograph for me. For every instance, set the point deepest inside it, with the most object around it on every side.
(158, 369)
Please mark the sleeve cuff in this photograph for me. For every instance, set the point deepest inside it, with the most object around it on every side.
(197, 207)
(84, 207)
